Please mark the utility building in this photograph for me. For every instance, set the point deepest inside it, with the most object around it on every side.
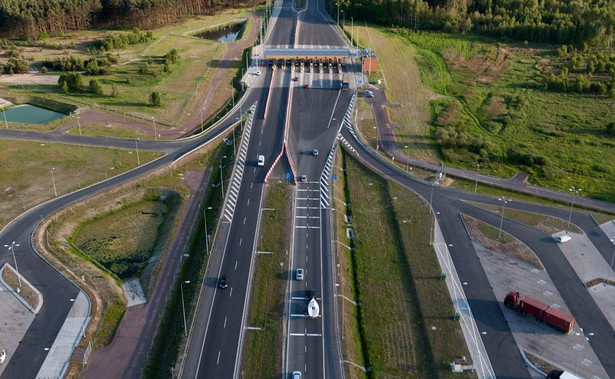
(370, 61)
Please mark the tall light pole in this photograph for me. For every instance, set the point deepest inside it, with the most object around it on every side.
(222, 176)
(338, 13)
(343, 19)
(155, 132)
(476, 181)
(575, 192)
(433, 216)
(377, 144)
(202, 125)
(53, 181)
(5, 122)
(504, 202)
(407, 157)
(79, 123)
(351, 31)
(206, 233)
(183, 306)
(608, 278)
(12, 248)
(137, 148)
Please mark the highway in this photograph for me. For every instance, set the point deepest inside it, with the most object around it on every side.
(55, 288)
(495, 333)
(314, 118)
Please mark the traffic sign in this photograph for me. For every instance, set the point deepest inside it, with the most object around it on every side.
(334, 176)
(288, 175)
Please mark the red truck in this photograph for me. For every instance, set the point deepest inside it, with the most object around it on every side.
(540, 311)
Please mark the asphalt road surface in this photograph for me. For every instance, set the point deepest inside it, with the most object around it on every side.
(57, 290)
(495, 333)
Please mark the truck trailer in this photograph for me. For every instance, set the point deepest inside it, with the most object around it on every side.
(540, 311)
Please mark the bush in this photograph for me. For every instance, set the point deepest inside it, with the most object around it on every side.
(96, 87)
(16, 66)
(71, 82)
(155, 99)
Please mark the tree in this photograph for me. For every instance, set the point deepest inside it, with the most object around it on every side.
(155, 99)
(92, 67)
(114, 91)
(96, 87)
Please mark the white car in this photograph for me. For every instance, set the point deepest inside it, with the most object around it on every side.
(261, 160)
(2, 356)
(296, 374)
(315, 152)
(299, 274)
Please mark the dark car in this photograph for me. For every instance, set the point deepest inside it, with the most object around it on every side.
(223, 283)
(295, 79)
(306, 86)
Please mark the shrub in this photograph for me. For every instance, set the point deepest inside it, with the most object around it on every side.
(155, 99)
(95, 87)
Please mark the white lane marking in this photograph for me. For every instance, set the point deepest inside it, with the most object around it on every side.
(236, 265)
(240, 241)
(252, 184)
(305, 349)
(244, 220)
(218, 360)
(248, 203)
(231, 294)
(305, 334)
(297, 298)
(224, 322)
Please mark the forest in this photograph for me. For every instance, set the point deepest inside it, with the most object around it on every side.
(553, 21)
(34, 19)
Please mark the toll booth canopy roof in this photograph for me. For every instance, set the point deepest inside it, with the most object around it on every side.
(306, 53)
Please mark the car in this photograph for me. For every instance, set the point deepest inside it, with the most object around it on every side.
(295, 79)
(261, 160)
(3, 358)
(304, 178)
(368, 93)
(306, 86)
(223, 282)
(563, 238)
(257, 72)
(299, 274)
(296, 374)
(315, 152)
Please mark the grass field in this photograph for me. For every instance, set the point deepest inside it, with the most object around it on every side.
(263, 348)
(543, 223)
(26, 168)
(394, 268)
(491, 106)
(123, 241)
(199, 60)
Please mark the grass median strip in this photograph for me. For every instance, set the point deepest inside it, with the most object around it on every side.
(405, 318)
(262, 348)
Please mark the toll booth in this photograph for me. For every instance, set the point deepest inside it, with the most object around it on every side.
(369, 61)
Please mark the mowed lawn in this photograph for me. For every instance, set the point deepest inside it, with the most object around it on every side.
(402, 80)
(27, 167)
(405, 308)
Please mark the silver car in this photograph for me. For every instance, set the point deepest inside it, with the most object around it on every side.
(299, 274)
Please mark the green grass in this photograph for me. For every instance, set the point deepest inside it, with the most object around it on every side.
(395, 269)
(262, 354)
(177, 87)
(26, 171)
(493, 97)
(547, 224)
(111, 321)
(124, 240)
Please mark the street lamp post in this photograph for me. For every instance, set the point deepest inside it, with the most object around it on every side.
(343, 19)
(183, 306)
(377, 142)
(338, 12)
(155, 132)
(351, 31)
(137, 148)
(432, 222)
(222, 176)
(575, 192)
(504, 202)
(53, 181)
(608, 278)
(476, 181)
(206, 233)
(407, 157)
(202, 125)
(79, 123)
(6, 124)
(12, 248)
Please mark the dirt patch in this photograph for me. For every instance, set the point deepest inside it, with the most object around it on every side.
(488, 69)
(192, 180)
(25, 291)
(509, 246)
(30, 79)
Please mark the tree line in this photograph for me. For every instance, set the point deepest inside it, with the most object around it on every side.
(555, 21)
(33, 19)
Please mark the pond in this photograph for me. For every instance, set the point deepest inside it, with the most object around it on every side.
(226, 34)
(29, 114)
